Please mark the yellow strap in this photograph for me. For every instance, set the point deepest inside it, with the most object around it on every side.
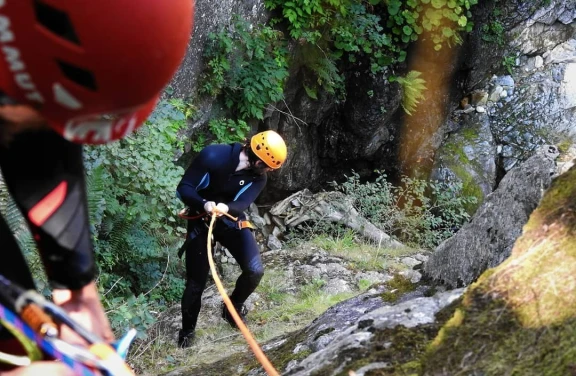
(246, 224)
(32, 350)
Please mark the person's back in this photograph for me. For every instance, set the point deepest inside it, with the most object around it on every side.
(74, 72)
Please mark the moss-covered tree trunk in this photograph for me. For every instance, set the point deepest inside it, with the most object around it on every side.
(520, 318)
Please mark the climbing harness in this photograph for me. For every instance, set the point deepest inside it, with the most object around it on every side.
(245, 224)
(238, 224)
(34, 320)
(268, 367)
(185, 214)
(234, 223)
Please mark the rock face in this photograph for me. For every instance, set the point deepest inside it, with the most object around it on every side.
(327, 138)
(526, 307)
(209, 16)
(469, 156)
(488, 238)
(504, 118)
(369, 322)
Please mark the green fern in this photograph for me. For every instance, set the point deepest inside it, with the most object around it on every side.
(413, 87)
(96, 193)
(9, 210)
(19, 228)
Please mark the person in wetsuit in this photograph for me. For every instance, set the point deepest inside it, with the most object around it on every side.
(228, 178)
(72, 73)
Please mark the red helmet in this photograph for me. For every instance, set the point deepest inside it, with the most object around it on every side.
(93, 68)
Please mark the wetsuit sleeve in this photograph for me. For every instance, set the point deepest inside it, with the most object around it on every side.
(246, 197)
(197, 177)
(45, 175)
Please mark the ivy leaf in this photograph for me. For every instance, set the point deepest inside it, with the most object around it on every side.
(447, 32)
(394, 7)
(438, 4)
(311, 92)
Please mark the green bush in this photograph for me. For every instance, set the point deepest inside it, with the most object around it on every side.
(131, 187)
(228, 131)
(17, 224)
(247, 66)
(377, 30)
(417, 212)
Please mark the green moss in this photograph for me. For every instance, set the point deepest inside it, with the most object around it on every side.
(469, 187)
(564, 145)
(520, 318)
(456, 160)
(454, 322)
(397, 286)
(490, 340)
(399, 347)
(543, 261)
(284, 354)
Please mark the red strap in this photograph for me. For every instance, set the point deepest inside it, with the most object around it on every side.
(48, 205)
(183, 216)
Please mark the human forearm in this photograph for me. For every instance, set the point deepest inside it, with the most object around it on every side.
(84, 306)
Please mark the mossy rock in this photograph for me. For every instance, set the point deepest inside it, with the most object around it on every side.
(520, 318)
(397, 287)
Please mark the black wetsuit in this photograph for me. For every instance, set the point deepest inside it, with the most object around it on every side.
(212, 177)
(45, 176)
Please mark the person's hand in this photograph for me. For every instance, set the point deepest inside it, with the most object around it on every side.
(221, 208)
(46, 368)
(209, 206)
(85, 308)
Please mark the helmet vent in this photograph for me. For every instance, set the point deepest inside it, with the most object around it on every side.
(78, 75)
(55, 21)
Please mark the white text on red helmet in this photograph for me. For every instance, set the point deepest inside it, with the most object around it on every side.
(98, 131)
(14, 61)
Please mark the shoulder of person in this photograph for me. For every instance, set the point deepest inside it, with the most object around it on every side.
(215, 151)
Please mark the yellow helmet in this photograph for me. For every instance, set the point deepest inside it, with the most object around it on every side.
(270, 148)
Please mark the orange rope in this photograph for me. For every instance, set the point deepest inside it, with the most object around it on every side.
(268, 367)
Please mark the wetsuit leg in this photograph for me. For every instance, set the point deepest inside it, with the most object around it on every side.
(243, 247)
(197, 268)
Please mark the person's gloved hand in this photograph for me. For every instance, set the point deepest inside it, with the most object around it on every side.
(209, 206)
(221, 208)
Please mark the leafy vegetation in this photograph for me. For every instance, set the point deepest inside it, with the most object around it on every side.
(413, 87)
(509, 62)
(377, 30)
(131, 190)
(247, 66)
(493, 32)
(417, 212)
(228, 131)
(17, 224)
